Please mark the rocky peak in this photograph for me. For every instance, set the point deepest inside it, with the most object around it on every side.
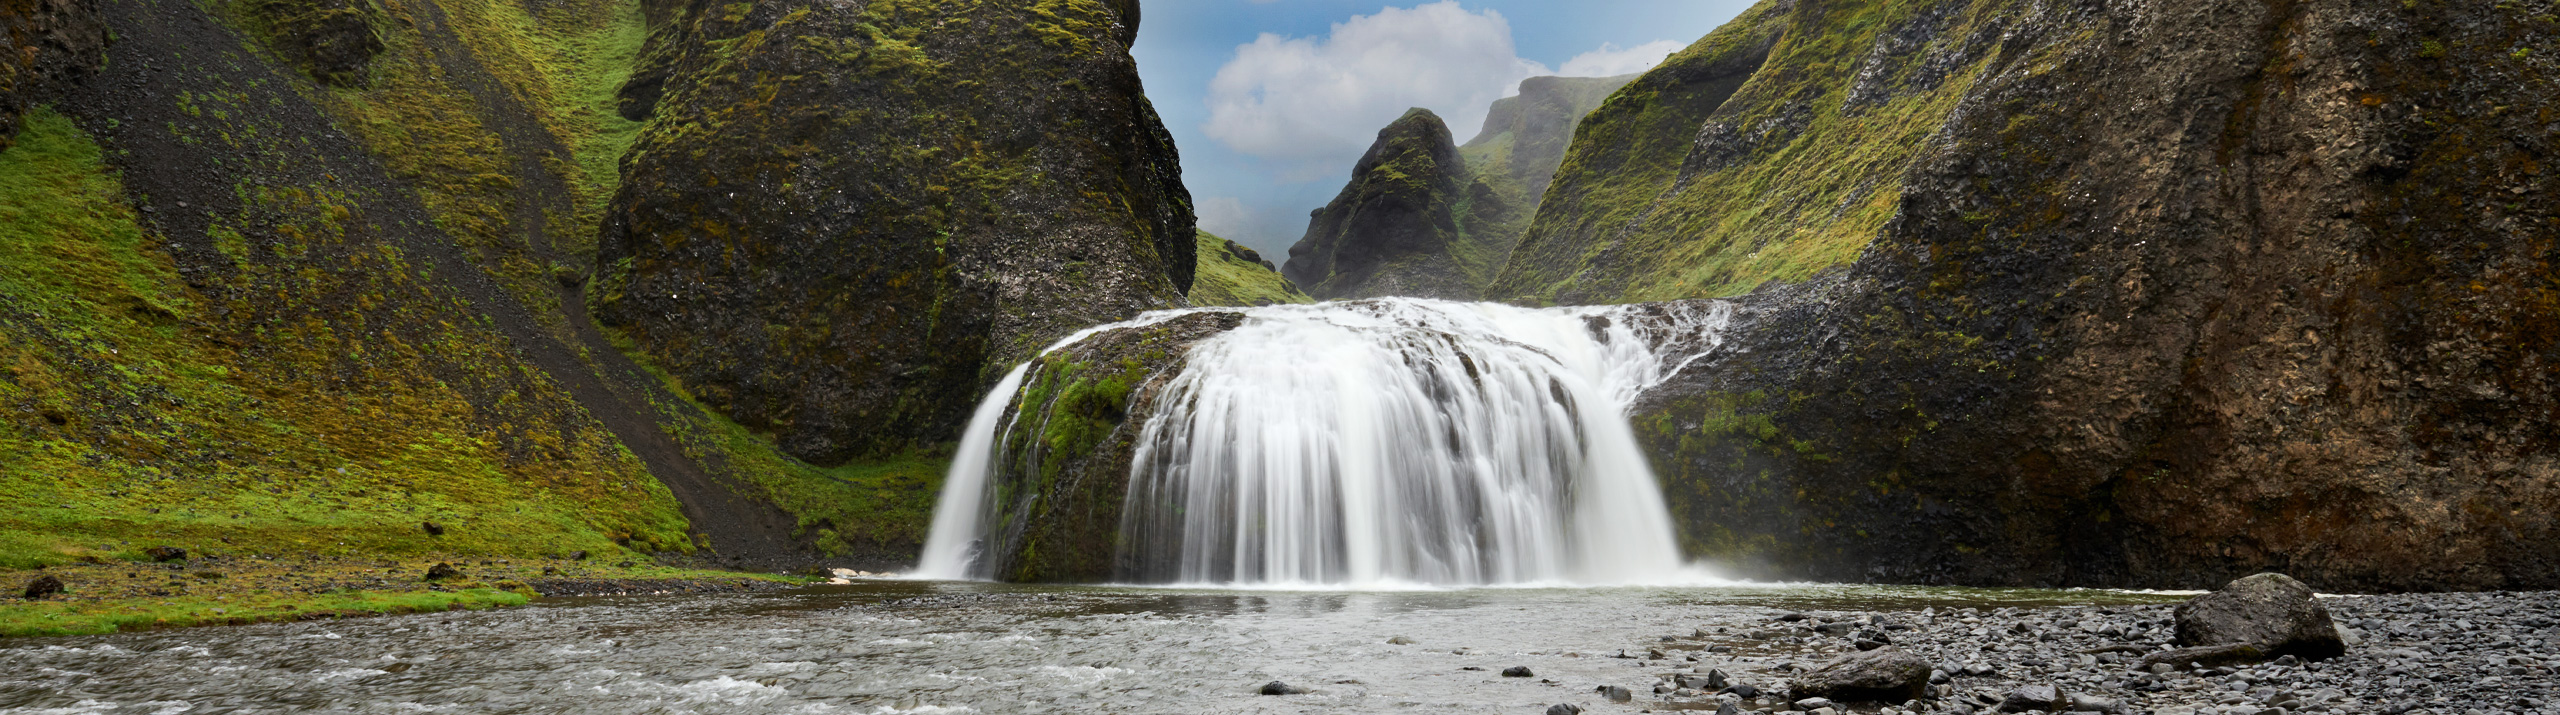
(1390, 231)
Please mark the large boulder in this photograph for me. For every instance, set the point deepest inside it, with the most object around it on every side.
(2272, 611)
(46, 46)
(1882, 675)
(845, 221)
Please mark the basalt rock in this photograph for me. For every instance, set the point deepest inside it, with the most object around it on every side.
(1881, 675)
(334, 41)
(42, 588)
(46, 46)
(847, 220)
(2277, 614)
(2153, 304)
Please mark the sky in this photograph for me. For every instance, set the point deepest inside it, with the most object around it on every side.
(1272, 101)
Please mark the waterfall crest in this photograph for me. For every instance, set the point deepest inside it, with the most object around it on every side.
(1390, 441)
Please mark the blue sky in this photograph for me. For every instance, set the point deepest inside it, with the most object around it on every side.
(1272, 101)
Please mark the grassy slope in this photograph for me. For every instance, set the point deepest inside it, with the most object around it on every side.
(1806, 200)
(1226, 279)
(132, 422)
(565, 63)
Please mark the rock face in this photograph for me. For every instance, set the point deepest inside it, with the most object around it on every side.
(334, 40)
(2277, 614)
(1881, 675)
(847, 219)
(1395, 230)
(2158, 304)
(1063, 471)
(46, 46)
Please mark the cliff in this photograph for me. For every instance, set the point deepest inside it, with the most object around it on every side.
(852, 296)
(2117, 298)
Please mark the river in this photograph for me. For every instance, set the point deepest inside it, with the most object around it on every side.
(939, 647)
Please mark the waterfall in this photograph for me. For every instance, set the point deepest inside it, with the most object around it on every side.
(1390, 441)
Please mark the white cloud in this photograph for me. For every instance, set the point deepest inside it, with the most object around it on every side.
(1319, 102)
(1611, 60)
(1226, 216)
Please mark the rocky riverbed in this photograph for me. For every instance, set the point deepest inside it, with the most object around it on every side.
(2417, 654)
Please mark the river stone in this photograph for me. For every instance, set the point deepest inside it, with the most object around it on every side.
(1518, 671)
(1615, 693)
(2032, 697)
(1885, 674)
(2270, 610)
(1279, 688)
(1564, 709)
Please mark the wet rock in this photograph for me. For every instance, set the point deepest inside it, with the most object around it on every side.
(165, 554)
(1744, 691)
(1812, 704)
(2082, 703)
(43, 587)
(1615, 693)
(1564, 709)
(1518, 671)
(1399, 640)
(1279, 688)
(2272, 611)
(2032, 697)
(1885, 674)
(443, 572)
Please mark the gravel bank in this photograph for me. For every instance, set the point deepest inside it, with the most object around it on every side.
(2417, 654)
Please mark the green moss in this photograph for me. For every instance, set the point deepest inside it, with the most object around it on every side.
(1812, 185)
(1227, 279)
(859, 508)
(92, 618)
(134, 410)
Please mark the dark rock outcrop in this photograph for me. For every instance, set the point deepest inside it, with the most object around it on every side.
(334, 41)
(42, 588)
(2277, 614)
(2162, 304)
(846, 220)
(1063, 470)
(1395, 230)
(45, 47)
(1881, 675)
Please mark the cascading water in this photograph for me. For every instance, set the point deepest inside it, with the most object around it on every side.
(1385, 442)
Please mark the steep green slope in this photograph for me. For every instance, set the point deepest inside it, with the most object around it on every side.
(1233, 275)
(1525, 136)
(1766, 151)
(296, 276)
